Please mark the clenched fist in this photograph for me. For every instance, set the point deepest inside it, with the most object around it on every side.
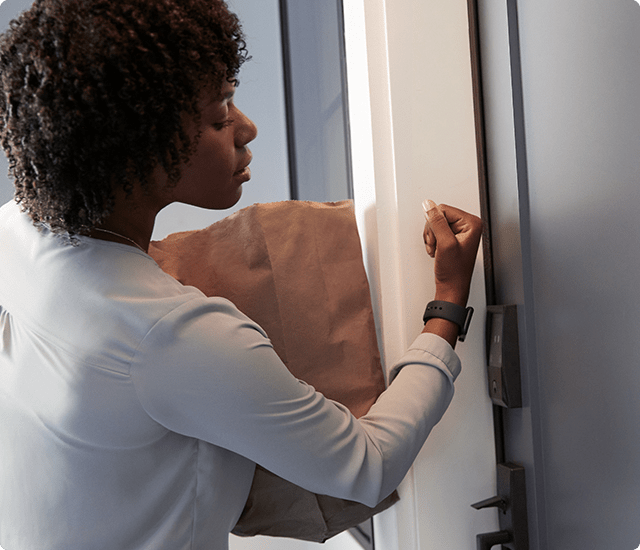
(452, 237)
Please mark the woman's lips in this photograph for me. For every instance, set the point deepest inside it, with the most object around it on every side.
(244, 173)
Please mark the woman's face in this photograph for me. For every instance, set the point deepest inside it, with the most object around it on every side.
(213, 176)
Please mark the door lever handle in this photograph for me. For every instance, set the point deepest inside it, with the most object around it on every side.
(493, 502)
(512, 503)
(486, 541)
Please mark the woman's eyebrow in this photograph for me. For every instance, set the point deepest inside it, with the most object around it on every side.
(222, 98)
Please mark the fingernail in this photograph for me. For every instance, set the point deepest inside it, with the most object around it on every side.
(425, 207)
(428, 205)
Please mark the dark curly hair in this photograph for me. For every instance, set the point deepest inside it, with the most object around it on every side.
(94, 93)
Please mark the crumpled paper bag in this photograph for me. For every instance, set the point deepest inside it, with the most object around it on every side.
(294, 267)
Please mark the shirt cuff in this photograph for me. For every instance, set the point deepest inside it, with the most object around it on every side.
(429, 350)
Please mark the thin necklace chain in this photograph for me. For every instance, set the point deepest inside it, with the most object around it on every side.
(121, 236)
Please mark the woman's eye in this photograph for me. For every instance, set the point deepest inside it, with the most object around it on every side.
(223, 124)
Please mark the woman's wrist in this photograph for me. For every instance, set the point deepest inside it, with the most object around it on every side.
(447, 330)
(455, 297)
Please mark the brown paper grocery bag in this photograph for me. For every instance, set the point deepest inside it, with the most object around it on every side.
(294, 267)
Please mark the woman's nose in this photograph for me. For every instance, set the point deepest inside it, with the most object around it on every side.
(246, 130)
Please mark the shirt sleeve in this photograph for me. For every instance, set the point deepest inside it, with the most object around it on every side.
(207, 371)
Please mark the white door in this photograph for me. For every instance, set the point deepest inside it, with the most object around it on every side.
(413, 137)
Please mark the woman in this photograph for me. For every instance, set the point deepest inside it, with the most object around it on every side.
(134, 409)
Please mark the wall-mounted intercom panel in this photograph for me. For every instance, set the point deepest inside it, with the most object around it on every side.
(503, 356)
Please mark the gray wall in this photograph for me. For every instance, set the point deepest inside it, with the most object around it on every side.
(575, 266)
(317, 93)
(582, 86)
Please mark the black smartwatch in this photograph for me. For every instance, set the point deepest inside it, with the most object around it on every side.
(451, 312)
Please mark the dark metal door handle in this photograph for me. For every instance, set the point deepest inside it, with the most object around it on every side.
(486, 541)
(497, 502)
(511, 500)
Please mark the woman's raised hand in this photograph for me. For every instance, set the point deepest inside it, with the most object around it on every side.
(452, 237)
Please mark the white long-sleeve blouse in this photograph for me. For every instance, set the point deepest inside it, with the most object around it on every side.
(133, 409)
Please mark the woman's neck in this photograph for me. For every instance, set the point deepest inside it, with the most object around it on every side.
(132, 219)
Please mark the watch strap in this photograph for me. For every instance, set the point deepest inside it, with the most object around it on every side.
(451, 312)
